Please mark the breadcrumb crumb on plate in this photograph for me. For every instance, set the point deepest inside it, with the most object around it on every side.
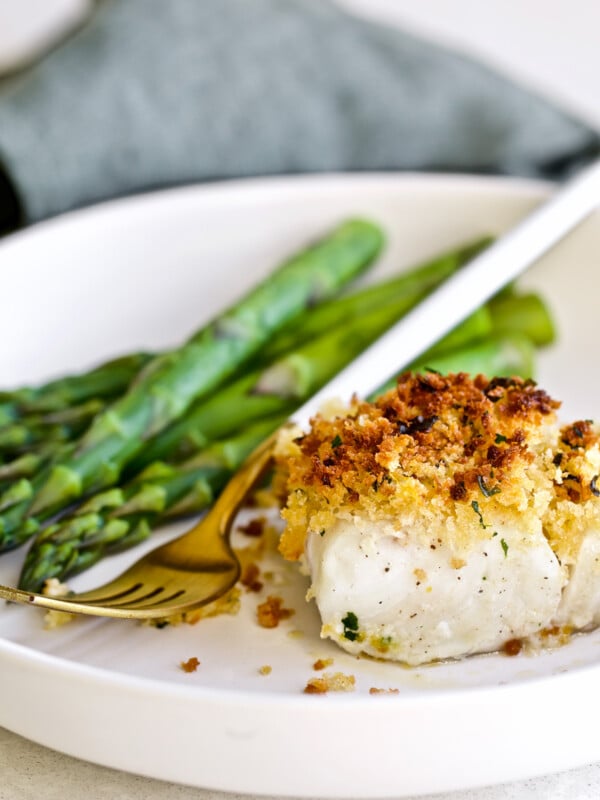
(52, 618)
(330, 682)
(271, 612)
(190, 665)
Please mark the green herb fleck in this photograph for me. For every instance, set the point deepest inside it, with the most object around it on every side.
(350, 623)
(500, 438)
(336, 441)
(477, 510)
(431, 369)
(504, 547)
(486, 491)
(322, 532)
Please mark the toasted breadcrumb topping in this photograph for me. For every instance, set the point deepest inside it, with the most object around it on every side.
(271, 612)
(335, 682)
(456, 452)
(375, 690)
(52, 618)
(191, 665)
(250, 577)
(254, 528)
(322, 663)
(575, 504)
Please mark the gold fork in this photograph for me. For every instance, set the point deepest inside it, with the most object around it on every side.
(200, 566)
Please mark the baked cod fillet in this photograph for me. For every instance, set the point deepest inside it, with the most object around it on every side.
(432, 521)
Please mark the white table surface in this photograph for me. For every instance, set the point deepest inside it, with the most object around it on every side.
(552, 46)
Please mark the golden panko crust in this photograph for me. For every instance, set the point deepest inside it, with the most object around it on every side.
(575, 504)
(459, 454)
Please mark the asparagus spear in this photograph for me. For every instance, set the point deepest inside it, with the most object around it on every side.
(526, 313)
(26, 465)
(60, 426)
(169, 383)
(119, 518)
(411, 286)
(498, 355)
(105, 381)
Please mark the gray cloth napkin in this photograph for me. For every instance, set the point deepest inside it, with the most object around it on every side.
(152, 94)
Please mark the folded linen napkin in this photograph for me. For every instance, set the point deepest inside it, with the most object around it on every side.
(152, 94)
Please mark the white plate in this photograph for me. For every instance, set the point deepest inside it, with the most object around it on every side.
(145, 272)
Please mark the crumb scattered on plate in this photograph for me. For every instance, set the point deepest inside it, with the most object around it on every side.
(191, 665)
(52, 618)
(322, 663)
(331, 682)
(250, 577)
(254, 528)
(271, 612)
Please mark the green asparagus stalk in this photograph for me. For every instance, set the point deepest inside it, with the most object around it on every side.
(8, 413)
(410, 286)
(26, 465)
(105, 381)
(119, 518)
(496, 356)
(526, 313)
(169, 383)
(28, 432)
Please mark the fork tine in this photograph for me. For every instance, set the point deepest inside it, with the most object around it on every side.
(136, 596)
(132, 599)
(154, 599)
(106, 593)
